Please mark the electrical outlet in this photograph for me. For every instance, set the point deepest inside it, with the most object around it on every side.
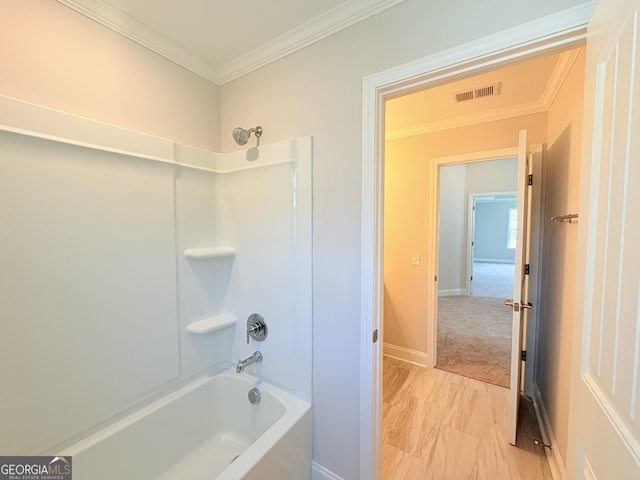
(415, 259)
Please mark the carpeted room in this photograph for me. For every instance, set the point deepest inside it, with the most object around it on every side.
(474, 331)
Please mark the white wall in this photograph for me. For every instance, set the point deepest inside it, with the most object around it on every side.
(318, 91)
(493, 176)
(53, 56)
(452, 244)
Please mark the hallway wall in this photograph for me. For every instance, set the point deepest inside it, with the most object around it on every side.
(561, 191)
(407, 194)
(452, 254)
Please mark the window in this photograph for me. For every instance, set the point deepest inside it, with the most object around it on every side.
(512, 228)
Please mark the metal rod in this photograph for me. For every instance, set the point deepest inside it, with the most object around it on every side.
(564, 218)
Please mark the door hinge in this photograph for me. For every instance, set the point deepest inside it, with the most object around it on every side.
(526, 269)
(531, 179)
(435, 279)
(374, 337)
(524, 355)
(471, 278)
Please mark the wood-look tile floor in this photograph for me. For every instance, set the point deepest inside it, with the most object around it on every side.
(442, 426)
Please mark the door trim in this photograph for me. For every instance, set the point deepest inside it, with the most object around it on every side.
(560, 30)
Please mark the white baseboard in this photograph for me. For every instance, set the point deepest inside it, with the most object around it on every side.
(492, 260)
(405, 354)
(318, 472)
(556, 464)
(453, 291)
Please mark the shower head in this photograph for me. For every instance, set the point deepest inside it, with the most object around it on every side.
(241, 136)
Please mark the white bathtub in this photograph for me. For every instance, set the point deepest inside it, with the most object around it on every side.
(206, 430)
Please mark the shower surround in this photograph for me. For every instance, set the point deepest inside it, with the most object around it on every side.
(132, 264)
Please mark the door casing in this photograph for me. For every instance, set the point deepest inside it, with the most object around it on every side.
(535, 259)
(436, 164)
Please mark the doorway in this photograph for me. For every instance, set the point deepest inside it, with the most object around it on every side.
(476, 253)
(491, 243)
(511, 46)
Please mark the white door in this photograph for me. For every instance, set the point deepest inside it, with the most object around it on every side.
(604, 427)
(520, 303)
(471, 243)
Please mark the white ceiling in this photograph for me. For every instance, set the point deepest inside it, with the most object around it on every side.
(224, 39)
(218, 31)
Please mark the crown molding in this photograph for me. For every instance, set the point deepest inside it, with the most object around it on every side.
(556, 80)
(468, 120)
(558, 76)
(322, 26)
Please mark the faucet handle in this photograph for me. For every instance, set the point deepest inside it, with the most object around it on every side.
(256, 327)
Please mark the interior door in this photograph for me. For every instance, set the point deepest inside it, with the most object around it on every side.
(471, 244)
(520, 303)
(604, 426)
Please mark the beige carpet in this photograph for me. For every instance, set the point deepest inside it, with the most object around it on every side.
(493, 279)
(474, 338)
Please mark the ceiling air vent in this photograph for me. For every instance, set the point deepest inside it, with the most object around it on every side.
(476, 93)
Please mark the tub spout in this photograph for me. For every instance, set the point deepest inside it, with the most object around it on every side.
(242, 364)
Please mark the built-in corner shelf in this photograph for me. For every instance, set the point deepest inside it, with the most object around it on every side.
(212, 252)
(211, 324)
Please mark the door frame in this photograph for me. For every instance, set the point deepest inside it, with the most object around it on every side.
(558, 31)
(536, 226)
(435, 164)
